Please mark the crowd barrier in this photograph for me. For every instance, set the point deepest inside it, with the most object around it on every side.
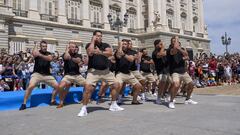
(42, 97)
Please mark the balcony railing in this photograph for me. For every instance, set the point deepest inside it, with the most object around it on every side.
(74, 21)
(48, 17)
(141, 30)
(21, 13)
(188, 33)
(200, 35)
(131, 30)
(97, 25)
(115, 29)
(174, 30)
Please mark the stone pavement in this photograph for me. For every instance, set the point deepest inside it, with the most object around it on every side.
(214, 115)
(222, 90)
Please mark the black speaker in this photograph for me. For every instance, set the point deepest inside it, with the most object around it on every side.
(190, 54)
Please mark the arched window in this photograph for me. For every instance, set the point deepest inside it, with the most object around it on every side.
(183, 20)
(132, 14)
(195, 24)
(170, 17)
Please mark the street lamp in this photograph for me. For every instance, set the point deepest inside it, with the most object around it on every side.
(118, 23)
(226, 41)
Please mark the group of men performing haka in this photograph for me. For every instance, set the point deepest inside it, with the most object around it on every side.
(115, 69)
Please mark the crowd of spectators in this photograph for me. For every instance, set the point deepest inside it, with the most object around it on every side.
(213, 70)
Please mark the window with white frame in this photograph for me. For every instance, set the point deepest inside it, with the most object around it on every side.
(96, 11)
(170, 16)
(50, 7)
(16, 46)
(183, 20)
(132, 14)
(170, 23)
(195, 24)
(2, 2)
(17, 4)
(73, 9)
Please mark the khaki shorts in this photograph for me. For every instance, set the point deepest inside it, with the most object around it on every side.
(127, 78)
(95, 75)
(181, 77)
(149, 77)
(37, 78)
(78, 79)
(164, 77)
(138, 75)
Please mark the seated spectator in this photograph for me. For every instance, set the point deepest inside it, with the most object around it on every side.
(3, 86)
(211, 80)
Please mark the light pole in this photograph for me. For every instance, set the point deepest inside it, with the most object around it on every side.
(226, 41)
(118, 23)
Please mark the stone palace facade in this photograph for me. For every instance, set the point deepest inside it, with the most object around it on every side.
(59, 21)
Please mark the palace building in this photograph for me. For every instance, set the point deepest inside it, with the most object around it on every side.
(22, 22)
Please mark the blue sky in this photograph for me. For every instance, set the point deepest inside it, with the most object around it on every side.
(223, 16)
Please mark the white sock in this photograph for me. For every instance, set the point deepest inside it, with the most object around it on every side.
(84, 107)
(114, 103)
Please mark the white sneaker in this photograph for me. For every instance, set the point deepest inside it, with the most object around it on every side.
(171, 105)
(190, 101)
(115, 108)
(82, 113)
(139, 98)
(168, 99)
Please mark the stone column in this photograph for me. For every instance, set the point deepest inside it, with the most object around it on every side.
(33, 12)
(177, 14)
(105, 14)
(123, 11)
(139, 13)
(62, 11)
(85, 15)
(201, 17)
(162, 8)
(190, 16)
(150, 15)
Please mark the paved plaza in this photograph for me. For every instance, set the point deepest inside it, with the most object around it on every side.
(214, 115)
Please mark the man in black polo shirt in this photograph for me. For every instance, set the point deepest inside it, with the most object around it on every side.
(134, 66)
(41, 73)
(145, 68)
(177, 56)
(124, 58)
(98, 70)
(72, 62)
(161, 61)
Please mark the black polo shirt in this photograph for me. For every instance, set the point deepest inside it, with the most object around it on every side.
(122, 64)
(145, 67)
(70, 67)
(98, 61)
(41, 65)
(112, 66)
(177, 64)
(161, 64)
(133, 65)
